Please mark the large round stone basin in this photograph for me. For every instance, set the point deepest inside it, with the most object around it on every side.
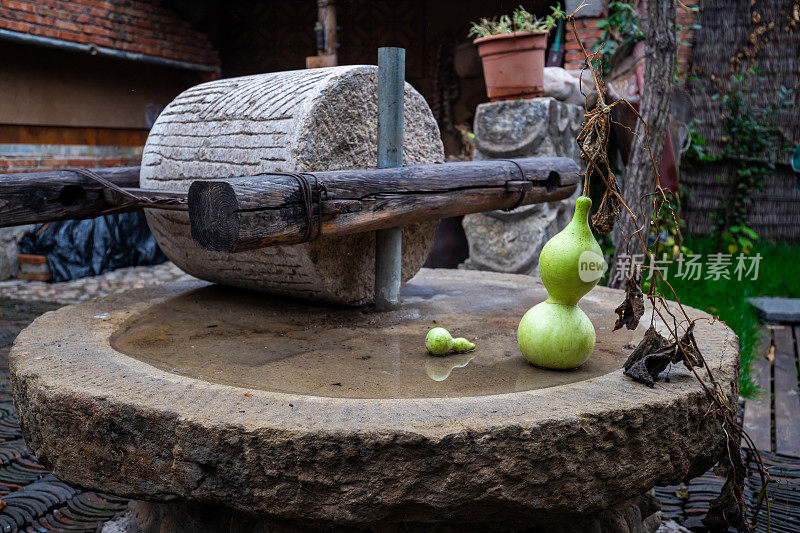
(311, 412)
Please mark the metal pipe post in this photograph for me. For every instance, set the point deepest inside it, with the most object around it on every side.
(388, 242)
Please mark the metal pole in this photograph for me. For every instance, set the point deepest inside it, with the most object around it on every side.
(388, 242)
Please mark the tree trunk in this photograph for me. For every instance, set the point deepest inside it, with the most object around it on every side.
(660, 50)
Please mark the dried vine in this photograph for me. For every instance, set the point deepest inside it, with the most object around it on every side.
(656, 352)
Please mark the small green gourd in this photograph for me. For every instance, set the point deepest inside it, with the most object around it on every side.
(439, 342)
(556, 333)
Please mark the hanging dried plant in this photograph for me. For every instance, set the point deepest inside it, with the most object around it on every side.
(656, 352)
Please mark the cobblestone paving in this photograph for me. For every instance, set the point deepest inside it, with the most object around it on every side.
(78, 290)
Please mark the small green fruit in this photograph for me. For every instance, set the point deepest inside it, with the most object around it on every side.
(439, 341)
(462, 345)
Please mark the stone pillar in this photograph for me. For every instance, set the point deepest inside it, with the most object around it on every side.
(9, 238)
(511, 241)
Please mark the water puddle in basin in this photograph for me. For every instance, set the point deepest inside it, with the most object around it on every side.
(264, 342)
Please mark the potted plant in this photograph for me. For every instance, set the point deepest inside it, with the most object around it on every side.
(512, 51)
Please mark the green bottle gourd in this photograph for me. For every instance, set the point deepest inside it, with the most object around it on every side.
(556, 333)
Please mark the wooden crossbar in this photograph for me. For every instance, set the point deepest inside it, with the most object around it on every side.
(238, 214)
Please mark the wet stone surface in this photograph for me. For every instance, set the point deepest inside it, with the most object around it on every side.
(265, 342)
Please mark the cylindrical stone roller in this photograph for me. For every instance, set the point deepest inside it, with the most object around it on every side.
(305, 120)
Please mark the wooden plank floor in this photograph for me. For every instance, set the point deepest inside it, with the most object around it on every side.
(773, 420)
(758, 412)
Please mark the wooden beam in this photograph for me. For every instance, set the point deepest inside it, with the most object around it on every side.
(238, 214)
(36, 197)
(758, 411)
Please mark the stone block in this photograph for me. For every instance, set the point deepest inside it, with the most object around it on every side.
(569, 86)
(511, 241)
(9, 238)
(103, 417)
(777, 310)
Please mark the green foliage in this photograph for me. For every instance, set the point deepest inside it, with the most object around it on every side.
(666, 235)
(520, 20)
(728, 298)
(621, 28)
(752, 145)
(696, 151)
(739, 238)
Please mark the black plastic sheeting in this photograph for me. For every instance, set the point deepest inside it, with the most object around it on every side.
(80, 248)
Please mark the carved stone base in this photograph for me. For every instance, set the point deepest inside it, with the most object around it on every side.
(493, 440)
(510, 242)
(636, 515)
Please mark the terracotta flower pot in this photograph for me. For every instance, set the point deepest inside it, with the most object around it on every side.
(513, 64)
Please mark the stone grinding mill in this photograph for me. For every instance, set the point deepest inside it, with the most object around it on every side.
(280, 408)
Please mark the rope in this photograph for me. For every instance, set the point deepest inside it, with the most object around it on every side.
(521, 193)
(153, 201)
(307, 198)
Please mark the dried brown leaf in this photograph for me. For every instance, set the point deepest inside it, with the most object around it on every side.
(607, 214)
(655, 353)
(690, 349)
(647, 369)
(651, 342)
(771, 354)
(631, 310)
(729, 510)
(649, 358)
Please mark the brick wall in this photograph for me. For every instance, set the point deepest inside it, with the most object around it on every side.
(139, 26)
(36, 157)
(589, 33)
(687, 19)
